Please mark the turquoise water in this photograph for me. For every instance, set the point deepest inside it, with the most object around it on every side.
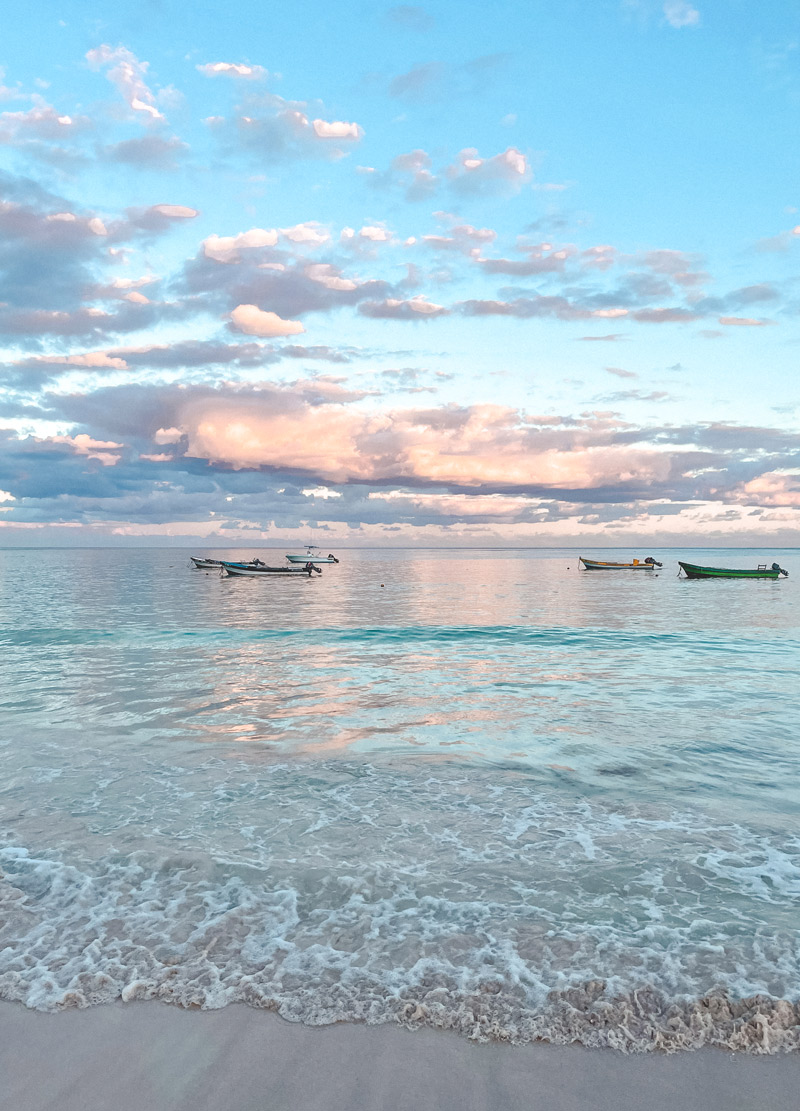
(480, 790)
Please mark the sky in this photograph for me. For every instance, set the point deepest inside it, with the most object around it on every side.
(376, 275)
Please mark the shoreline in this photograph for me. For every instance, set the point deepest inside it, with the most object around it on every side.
(151, 1055)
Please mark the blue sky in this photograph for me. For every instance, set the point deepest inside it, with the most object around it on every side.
(400, 274)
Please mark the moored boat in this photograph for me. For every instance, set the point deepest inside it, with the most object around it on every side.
(204, 563)
(254, 570)
(312, 554)
(637, 565)
(693, 571)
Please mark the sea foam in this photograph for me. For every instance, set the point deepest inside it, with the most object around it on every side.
(461, 900)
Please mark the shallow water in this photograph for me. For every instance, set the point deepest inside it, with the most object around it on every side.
(483, 790)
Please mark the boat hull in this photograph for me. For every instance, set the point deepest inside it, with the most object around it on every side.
(266, 572)
(692, 571)
(311, 559)
(205, 564)
(599, 565)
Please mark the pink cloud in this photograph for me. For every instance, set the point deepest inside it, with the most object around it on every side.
(89, 359)
(665, 316)
(42, 121)
(328, 276)
(336, 129)
(772, 488)
(472, 174)
(599, 258)
(416, 308)
(226, 248)
(744, 321)
(253, 321)
(541, 306)
(413, 172)
(284, 128)
(167, 435)
(463, 238)
(175, 211)
(469, 446)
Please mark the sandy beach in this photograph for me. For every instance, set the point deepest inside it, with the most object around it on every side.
(149, 1055)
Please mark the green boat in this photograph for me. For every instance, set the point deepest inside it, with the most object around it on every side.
(692, 571)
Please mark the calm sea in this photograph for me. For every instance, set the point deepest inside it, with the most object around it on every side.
(474, 789)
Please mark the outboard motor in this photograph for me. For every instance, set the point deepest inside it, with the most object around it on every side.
(654, 562)
(777, 567)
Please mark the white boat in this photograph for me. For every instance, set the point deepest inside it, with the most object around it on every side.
(312, 554)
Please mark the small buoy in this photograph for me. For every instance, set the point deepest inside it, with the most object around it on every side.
(381, 586)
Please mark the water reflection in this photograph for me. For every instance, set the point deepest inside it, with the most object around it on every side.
(487, 656)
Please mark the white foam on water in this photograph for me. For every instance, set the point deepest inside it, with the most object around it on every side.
(467, 899)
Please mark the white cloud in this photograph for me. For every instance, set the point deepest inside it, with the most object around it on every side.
(128, 74)
(82, 444)
(233, 69)
(679, 13)
(316, 492)
(309, 232)
(375, 233)
(336, 129)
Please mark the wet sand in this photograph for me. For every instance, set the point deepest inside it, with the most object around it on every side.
(160, 1058)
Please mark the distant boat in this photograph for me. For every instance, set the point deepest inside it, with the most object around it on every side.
(692, 571)
(259, 569)
(637, 565)
(311, 555)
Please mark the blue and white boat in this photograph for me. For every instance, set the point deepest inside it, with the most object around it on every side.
(258, 569)
(312, 554)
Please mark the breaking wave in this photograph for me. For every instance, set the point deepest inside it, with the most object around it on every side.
(465, 902)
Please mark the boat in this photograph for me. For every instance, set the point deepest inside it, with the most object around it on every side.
(637, 565)
(692, 571)
(205, 564)
(257, 568)
(311, 555)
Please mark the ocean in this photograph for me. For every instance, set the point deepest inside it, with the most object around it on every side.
(478, 790)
